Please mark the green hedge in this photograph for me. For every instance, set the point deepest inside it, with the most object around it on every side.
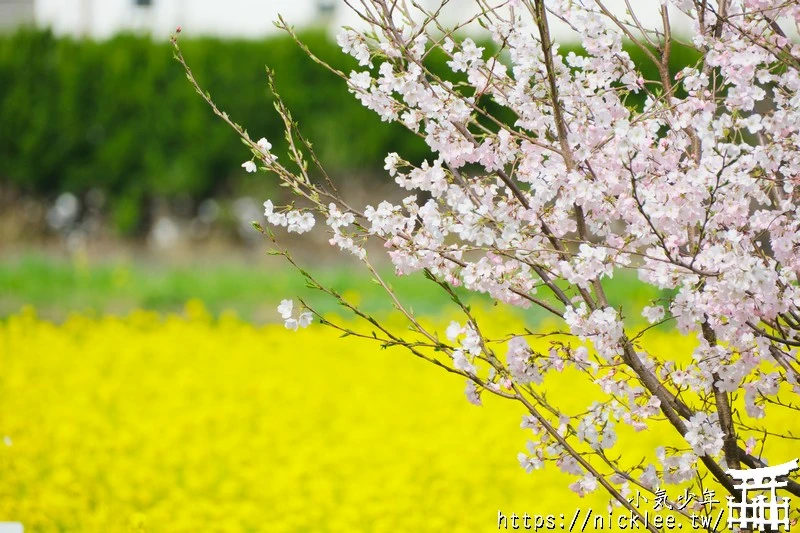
(120, 116)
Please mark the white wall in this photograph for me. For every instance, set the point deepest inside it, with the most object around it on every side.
(15, 12)
(231, 18)
(235, 18)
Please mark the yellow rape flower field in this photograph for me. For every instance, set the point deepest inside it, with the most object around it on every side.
(184, 423)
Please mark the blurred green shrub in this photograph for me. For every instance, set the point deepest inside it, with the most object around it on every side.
(121, 117)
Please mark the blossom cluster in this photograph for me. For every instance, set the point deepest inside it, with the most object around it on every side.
(696, 190)
(286, 310)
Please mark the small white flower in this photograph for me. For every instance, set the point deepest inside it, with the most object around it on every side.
(585, 485)
(750, 445)
(704, 434)
(530, 422)
(299, 222)
(285, 308)
(305, 319)
(337, 219)
(569, 465)
(472, 341)
(360, 80)
(390, 163)
(276, 219)
(448, 45)
(249, 166)
(653, 314)
(473, 395)
(529, 463)
(454, 330)
(649, 477)
(461, 362)
(264, 144)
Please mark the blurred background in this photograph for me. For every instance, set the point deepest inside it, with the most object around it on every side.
(103, 138)
(147, 382)
(115, 175)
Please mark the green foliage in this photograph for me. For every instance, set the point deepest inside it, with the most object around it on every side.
(57, 285)
(120, 116)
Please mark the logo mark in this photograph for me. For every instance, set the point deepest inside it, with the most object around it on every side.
(757, 511)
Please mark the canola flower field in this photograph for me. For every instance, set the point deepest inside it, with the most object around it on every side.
(192, 421)
(175, 423)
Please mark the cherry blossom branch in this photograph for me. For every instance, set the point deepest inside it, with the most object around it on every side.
(695, 192)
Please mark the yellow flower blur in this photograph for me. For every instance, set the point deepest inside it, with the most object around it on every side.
(186, 424)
